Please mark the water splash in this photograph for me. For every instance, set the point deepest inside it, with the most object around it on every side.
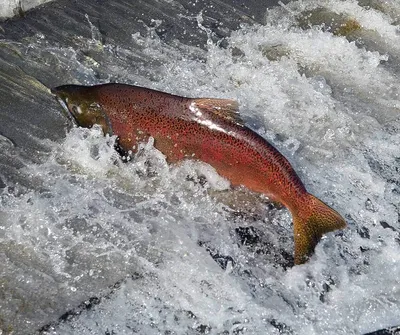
(182, 261)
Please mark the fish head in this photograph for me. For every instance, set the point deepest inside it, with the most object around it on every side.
(82, 106)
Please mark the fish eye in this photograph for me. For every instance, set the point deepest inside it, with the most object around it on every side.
(75, 109)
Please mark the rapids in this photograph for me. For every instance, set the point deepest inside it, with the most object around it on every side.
(91, 245)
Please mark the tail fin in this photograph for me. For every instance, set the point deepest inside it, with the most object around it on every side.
(310, 223)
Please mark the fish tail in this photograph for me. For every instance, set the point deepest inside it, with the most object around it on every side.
(310, 222)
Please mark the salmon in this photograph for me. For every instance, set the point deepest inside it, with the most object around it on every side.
(208, 130)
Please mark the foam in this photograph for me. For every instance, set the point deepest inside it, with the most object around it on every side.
(328, 105)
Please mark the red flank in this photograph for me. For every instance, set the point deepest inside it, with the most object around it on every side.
(209, 130)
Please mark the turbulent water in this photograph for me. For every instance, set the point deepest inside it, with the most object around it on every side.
(143, 247)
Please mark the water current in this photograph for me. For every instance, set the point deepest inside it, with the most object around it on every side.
(91, 245)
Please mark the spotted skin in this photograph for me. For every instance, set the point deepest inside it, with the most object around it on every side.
(202, 129)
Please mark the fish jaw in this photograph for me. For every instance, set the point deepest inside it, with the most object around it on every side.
(66, 110)
(62, 98)
(82, 107)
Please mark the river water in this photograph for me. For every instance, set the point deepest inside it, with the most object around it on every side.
(91, 245)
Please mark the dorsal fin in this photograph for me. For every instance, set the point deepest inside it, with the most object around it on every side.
(224, 108)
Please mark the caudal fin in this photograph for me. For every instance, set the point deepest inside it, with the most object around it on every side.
(310, 222)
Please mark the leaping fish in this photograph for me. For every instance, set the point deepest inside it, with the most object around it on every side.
(208, 130)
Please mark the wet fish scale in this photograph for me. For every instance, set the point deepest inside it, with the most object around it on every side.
(209, 130)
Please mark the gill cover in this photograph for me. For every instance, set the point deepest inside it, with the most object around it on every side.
(82, 107)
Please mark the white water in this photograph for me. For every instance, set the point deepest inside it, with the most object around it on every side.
(89, 221)
(10, 8)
